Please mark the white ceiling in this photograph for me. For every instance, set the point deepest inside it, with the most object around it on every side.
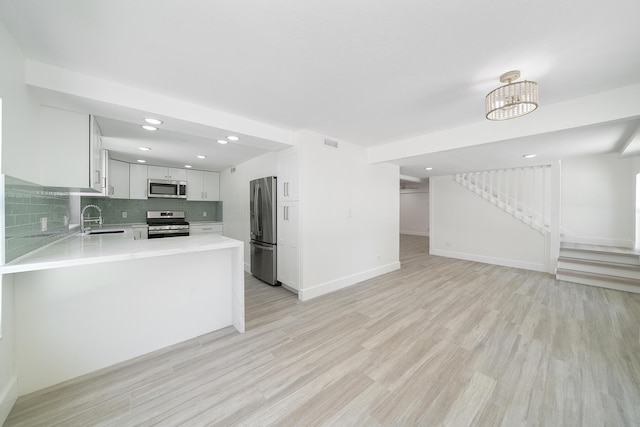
(366, 72)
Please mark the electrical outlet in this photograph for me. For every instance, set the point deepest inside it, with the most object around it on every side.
(204, 214)
(124, 214)
(43, 224)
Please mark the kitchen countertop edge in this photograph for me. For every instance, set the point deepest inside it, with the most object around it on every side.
(63, 253)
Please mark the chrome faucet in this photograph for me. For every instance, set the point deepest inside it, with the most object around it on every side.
(90, 220)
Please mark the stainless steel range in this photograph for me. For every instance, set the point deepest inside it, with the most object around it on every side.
(167, 224)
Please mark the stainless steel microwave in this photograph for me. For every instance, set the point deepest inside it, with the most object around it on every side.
(167, 189)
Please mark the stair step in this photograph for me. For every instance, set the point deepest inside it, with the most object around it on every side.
(600, 253)
(614, 269)
(598, 279)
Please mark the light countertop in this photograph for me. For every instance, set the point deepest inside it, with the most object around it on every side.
(78, 249)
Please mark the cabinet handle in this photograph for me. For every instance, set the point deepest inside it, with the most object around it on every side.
(112, 190)
(286, 213)
(97, 181)
(286, 189)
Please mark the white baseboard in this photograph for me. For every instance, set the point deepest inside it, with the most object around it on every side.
(491, 260)
(415, 233)
(343, 282)
(8, 398)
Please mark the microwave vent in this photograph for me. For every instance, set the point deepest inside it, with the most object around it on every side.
(331, 143)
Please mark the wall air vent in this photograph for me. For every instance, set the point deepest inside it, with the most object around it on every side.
(331, 143)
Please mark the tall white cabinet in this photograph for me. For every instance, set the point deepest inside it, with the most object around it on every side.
(289, 218)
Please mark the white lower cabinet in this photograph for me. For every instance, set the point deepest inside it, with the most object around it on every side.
(140, 232)
(289, 244)
(204, 227)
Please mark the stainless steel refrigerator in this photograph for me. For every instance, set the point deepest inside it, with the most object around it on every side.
(263, 216)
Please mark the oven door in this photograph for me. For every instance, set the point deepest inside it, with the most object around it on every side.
(156, 232)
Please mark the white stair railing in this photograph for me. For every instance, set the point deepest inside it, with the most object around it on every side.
(521, 192)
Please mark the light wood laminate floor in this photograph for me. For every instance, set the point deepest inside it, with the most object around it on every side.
(439, 342)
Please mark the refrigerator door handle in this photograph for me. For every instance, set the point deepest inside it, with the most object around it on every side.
(254, 217)
(265, 247)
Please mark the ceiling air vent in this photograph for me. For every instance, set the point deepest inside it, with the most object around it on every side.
(233, 169)
(331, 143)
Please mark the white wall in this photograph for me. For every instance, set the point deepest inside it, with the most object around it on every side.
(350, 216)
(17, 147)
(465, 226)
(598, 200)
(20, 113)
(414, 210)
(234, 193)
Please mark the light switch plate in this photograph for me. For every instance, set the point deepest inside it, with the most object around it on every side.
(43, 224)
(204, 214)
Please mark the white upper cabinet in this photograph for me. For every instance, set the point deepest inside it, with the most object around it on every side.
(160, 172)
(70, 151)
(118, 180)
(289, 175)
(203, 185)
(137, 181)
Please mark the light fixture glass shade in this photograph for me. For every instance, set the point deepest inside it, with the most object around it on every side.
(512, 100)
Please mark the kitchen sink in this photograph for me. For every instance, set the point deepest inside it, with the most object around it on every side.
(91, 232)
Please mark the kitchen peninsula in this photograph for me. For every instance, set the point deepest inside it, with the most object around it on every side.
(88, 302)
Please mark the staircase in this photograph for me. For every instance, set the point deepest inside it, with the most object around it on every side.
(521, 192)
(603, 266)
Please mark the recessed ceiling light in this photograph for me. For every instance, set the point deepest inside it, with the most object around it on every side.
(188, 166)
(153, 121)
(222, 141)
(200, 156)
(147, 127)
(142, 161)
(428, 169)
(144, 148)
(232, 138)
(529, 156)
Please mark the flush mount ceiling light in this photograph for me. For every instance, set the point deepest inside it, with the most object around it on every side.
(141, 161)
(512, 100)
(428, 169)
(188, 166)
(144, 148)
(153, 121)
(529, 156)
(223, 141)
(200, 156)
(232, 138)
(147, 127)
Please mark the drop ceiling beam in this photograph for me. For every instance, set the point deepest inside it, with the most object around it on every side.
(589, 110)
(48, 77)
